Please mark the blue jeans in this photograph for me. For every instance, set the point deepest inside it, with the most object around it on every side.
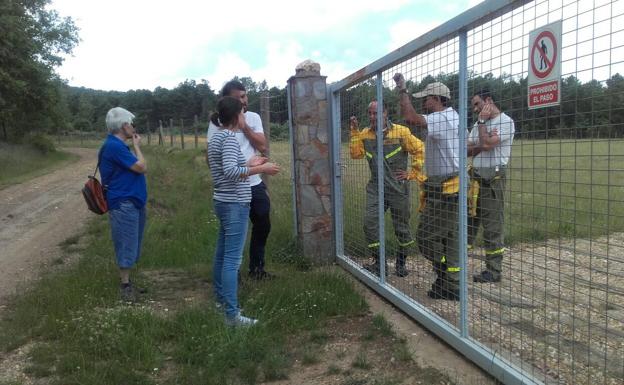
(233, 219)
(127, 225)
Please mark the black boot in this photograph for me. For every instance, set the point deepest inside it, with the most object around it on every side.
(374, 267)
(442, 288)
(399, 267)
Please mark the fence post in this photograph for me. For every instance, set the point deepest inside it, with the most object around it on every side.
(195, 125)
(160, 133)
(265, 115)
(149, 134)
(308, 92)
(171, 131)
(182, 132)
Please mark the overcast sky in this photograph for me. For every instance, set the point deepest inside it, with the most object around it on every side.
(141, 44)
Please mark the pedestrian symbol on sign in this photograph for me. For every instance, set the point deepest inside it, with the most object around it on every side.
(543, 57)
(544, 54)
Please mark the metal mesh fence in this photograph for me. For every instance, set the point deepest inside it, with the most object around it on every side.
(543, 236)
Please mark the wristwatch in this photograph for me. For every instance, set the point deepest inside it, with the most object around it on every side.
(481, 121)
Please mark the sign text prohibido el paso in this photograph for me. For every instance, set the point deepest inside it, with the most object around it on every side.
(544, 83)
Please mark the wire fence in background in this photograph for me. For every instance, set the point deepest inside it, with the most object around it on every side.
(557, 314)
(190, 134)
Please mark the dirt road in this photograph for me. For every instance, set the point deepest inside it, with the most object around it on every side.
(35, 216)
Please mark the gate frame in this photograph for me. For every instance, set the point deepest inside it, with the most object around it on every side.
(458, 338)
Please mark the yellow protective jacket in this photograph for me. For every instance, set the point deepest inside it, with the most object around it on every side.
(398, 143)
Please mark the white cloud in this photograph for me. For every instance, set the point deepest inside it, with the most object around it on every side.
(281, 59)
(229, 64)
(405, 31)
(144, 44)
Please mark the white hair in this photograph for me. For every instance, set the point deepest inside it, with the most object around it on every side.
(116, 118)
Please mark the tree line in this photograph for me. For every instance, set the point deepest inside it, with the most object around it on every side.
(34, 99)
(189, 102)
(589, 109)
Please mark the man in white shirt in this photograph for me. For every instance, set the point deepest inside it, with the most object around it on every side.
(489, 144)
(437, 227)
(252, 140)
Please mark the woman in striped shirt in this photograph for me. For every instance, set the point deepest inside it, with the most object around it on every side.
(232, 195)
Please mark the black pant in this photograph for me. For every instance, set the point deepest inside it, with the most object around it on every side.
(260, 226)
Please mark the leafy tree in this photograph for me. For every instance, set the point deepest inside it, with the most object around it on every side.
(33, 38)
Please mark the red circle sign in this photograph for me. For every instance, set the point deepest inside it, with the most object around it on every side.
(550, 63)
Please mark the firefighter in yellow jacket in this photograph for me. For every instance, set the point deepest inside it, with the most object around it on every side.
(398, 144)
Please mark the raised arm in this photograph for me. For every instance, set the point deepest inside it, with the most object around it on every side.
(407, 109)
(140, 166)
(257, 139)
(356, 146)
(488, 140)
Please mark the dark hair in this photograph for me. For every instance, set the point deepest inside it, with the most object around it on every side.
(231, 86)
(483, 93)
(228, 109)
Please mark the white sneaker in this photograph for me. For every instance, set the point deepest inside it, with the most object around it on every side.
(240, 320)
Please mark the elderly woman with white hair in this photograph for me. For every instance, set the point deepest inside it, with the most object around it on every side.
(123, 177)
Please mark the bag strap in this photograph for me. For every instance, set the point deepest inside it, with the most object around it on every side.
(99, 160)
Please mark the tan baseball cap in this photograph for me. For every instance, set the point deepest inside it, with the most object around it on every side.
(434, 89)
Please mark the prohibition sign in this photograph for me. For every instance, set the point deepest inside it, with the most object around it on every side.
(550, 64)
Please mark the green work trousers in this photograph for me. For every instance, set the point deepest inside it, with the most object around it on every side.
(399, 205)
(490, 214)
(437, 232)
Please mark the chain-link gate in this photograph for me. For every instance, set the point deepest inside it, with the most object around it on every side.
(505, 236)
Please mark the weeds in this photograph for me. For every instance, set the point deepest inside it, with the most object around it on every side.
(361, 361)
(22, 162)
(98, 340)
(83, 334)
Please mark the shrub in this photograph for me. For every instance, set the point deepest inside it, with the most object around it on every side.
(40, 142)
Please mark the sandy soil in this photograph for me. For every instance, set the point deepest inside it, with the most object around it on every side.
(35, 216)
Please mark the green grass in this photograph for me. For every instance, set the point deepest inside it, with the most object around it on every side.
(361, 361)
(555, 188)
(19, 163)
(84, 335)
(563, 188)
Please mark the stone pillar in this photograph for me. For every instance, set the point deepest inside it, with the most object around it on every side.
(308, 92)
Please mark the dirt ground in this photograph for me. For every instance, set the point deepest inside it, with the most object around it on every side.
(37, 215)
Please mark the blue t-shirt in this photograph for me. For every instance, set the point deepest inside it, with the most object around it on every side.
(120, 182)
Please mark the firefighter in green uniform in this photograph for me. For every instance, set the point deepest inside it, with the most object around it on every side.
(489, 144)
(398, 144)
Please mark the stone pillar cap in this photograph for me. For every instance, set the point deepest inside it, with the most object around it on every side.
(308, 68)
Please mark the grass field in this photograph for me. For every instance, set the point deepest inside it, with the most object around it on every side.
(76, 331)
(21, 162)
(555, 188)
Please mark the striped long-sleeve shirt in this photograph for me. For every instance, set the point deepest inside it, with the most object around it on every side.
(227, 166)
